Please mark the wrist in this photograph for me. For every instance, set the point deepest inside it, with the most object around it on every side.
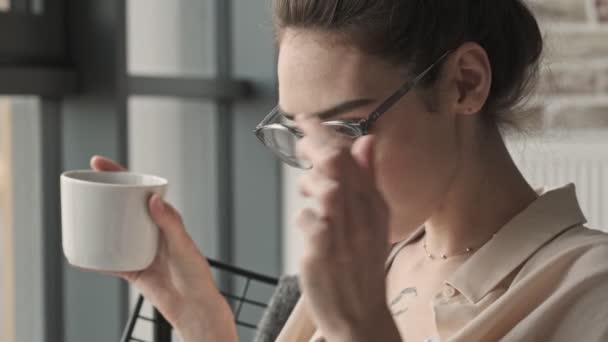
(207, 320)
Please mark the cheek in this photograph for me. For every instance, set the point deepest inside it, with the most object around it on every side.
(405, 171)
(414, 169)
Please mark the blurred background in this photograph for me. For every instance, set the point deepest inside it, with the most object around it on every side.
(175, 88)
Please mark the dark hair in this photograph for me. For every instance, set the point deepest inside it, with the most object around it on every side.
(420, 31)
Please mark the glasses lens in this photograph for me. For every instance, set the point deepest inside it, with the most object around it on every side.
(344, 129)
(283, 143)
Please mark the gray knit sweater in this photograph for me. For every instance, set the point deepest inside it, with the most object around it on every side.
(281, 304)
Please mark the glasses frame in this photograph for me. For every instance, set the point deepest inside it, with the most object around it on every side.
(350, 128)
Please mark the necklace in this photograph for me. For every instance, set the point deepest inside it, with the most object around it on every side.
(444, 256)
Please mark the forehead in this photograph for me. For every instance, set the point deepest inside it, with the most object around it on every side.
(316, 71)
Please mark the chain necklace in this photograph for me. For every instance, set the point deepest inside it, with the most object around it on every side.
(444, 256)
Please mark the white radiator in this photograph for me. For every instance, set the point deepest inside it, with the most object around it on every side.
(582, 161)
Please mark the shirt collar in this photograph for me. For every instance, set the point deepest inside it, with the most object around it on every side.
(549, 215)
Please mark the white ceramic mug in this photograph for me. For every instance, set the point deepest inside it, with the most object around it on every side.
(106, 224)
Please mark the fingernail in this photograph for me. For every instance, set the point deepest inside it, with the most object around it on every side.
(157, 203)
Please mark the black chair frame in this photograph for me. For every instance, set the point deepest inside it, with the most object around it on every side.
(162, 329)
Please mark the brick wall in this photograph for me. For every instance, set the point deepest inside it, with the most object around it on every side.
(573, 89)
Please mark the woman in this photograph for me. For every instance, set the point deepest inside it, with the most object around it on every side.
(425, 229)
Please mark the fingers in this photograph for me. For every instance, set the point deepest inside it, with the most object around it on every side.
(343, 183)
(325, 190)
(363, 152)
(317, 232)
(328, 151)
(330, 198)
(170, 223)
(99, 163)
(335, 176)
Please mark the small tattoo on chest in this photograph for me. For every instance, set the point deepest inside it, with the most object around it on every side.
(396, 309)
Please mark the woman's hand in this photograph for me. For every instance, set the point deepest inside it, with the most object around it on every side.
(346, 237)
(179, 282)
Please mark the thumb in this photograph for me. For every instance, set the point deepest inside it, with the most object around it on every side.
(170, 223)
(363, 153)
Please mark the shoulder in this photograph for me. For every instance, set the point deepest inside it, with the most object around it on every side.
(568, 280)
(578, 249)
(578, 240)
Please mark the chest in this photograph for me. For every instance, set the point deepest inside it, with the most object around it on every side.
(413, 282)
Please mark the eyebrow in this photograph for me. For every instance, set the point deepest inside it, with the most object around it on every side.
(340, 108)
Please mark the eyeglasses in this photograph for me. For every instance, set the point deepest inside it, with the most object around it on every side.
(280, 134)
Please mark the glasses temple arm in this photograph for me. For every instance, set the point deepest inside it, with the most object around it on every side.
(397, 95)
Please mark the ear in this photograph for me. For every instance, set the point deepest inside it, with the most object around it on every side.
(470, 79)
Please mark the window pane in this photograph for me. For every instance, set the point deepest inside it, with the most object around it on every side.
(21, 285)
(175, 139)
(37, 6)
(22, 6)
(6, 240)
(171, 38)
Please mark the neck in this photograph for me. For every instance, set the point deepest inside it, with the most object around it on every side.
(487, 192)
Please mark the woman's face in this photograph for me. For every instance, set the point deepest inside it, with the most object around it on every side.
(417, 151)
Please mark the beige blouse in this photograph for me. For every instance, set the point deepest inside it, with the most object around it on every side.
(543, 277)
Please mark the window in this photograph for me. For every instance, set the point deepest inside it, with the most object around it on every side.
(121, 77)
(6, 239)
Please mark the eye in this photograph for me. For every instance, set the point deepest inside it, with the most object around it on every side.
(286, 120)
(345, 128)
